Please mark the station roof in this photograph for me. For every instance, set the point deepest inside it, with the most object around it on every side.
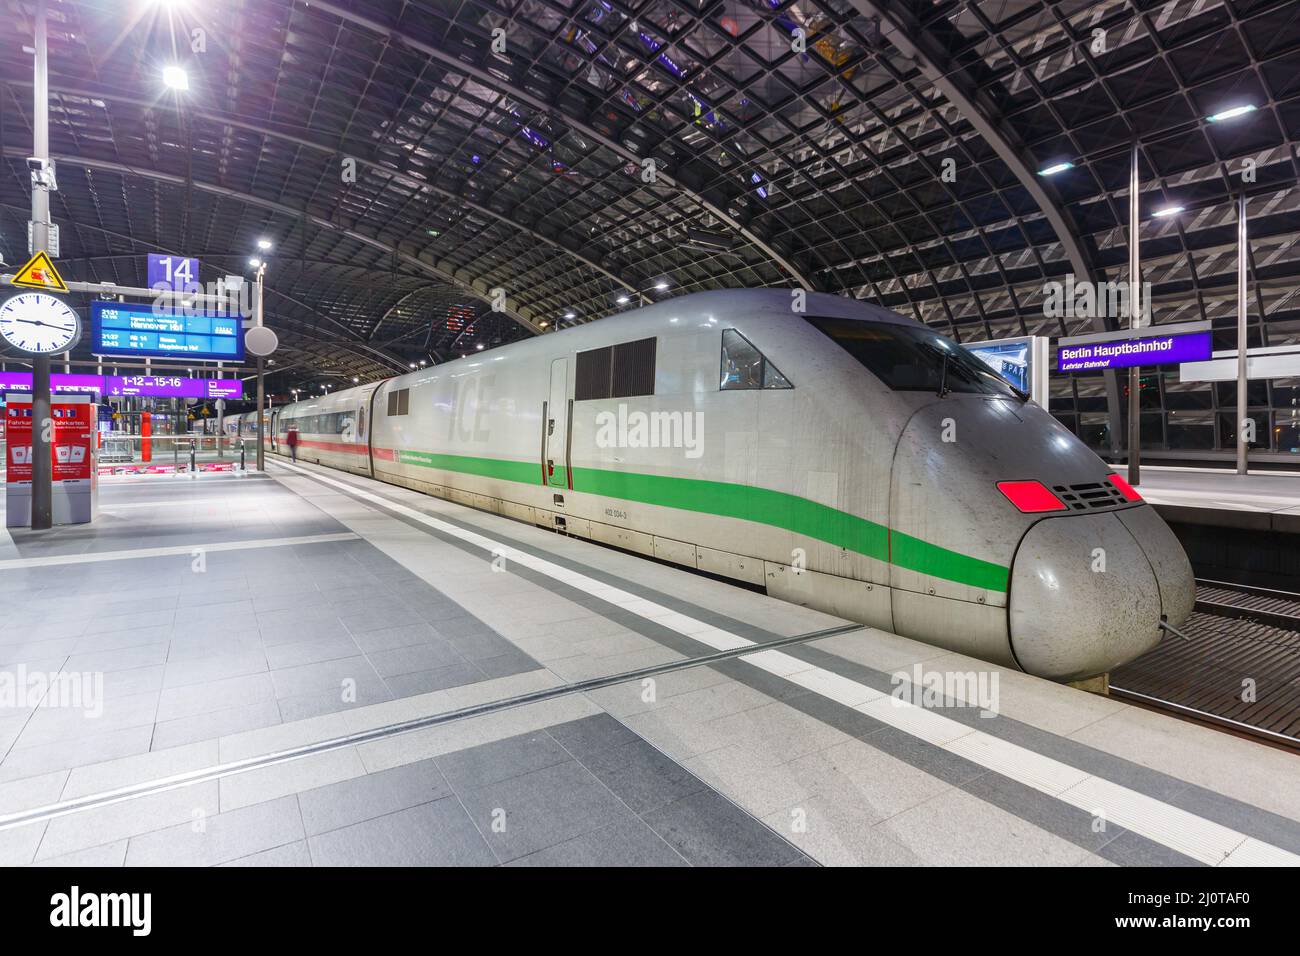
(612, 153)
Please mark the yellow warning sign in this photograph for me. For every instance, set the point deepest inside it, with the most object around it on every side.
(39, 273)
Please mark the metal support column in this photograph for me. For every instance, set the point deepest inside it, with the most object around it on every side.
(221, 420)
(1243, 449)
(42, 420)
(261, 380)
(1135, 320)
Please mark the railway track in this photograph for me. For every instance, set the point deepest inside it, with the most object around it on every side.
(1238, 668)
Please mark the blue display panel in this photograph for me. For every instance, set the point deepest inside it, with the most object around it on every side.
(122, 329)
(1010, 359)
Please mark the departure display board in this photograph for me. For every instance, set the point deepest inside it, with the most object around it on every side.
(123, 329)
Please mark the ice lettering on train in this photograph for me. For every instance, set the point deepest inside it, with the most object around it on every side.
(466, 422)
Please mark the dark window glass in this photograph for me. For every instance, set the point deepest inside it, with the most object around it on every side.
(913, 358)
(398, 402)
(634, 368)
(745, 367)
(594, 377)
(619, 371)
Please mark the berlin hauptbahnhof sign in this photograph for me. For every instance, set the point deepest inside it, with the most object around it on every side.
(1155, 345)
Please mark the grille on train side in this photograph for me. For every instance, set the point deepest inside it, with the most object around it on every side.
(1089, 495)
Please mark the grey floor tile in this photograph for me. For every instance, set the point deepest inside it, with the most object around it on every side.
(204, 670)
(217, 723)
(318, 629)
(643, 777)
(312, 651)
(542, 808)
(1131, 849)
(512, 662)
(432, 834)
(368, 690)
(590, 736)
(220, 837)
(178, 702)
(414, 658)
(709, 830)
(372, 795)
(425, 682)
(291, 854)
(1040, 809)
(500, 760)
(389, 638)
(320, 676)
(626, 843)
(372, 616)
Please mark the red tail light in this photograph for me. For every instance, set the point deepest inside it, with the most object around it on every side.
(1031, 497)
(1125, 488)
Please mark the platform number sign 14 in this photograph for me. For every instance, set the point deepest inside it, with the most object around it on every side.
(172, 272)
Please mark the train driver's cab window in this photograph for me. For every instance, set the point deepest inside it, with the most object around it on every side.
(744, 366)
(398, 401)
(912, 358)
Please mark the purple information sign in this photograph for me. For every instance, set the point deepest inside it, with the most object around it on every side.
(227, 388)
(159, 386)
(173, 386)
(22, 382)
(1143, 350)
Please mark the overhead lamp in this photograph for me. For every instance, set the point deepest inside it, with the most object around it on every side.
(1231, 113)
(264, 245)
(255, 262)
(423, 363)
(1168, 211)
(622, 300)
(479, 346)
(175, 78)
(355, 379)
(1055, 168)
(570, 315)
(412, 365)
(661, 286)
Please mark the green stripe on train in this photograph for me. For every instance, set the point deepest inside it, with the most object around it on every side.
(746, 503)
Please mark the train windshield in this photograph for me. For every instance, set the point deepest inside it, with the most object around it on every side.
(912, 359)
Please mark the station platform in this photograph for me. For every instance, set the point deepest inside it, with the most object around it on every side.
(308, 668)
(1238, 528)
(1268, 500)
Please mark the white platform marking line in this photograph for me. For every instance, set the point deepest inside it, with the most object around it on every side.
(252, 543)
(1189, 834)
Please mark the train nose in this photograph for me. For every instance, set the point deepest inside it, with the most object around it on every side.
(1088, 591)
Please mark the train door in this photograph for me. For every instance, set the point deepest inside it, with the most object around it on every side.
(556, 439)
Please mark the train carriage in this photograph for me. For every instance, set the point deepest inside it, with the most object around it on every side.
(843, 457)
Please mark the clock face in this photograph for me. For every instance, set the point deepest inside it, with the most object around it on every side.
(40, 323)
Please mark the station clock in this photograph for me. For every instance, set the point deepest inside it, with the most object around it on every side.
(39, 323)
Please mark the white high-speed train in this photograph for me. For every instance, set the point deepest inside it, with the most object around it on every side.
(845, 458)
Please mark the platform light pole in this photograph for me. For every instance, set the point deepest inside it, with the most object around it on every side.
(42, 467)
(1243, 450)
(261, 370)
(1135, 320)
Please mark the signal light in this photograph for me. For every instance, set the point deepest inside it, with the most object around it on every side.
(1125, 489)
(1030, 497)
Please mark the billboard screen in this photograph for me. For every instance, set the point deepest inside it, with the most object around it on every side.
(123, 329)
